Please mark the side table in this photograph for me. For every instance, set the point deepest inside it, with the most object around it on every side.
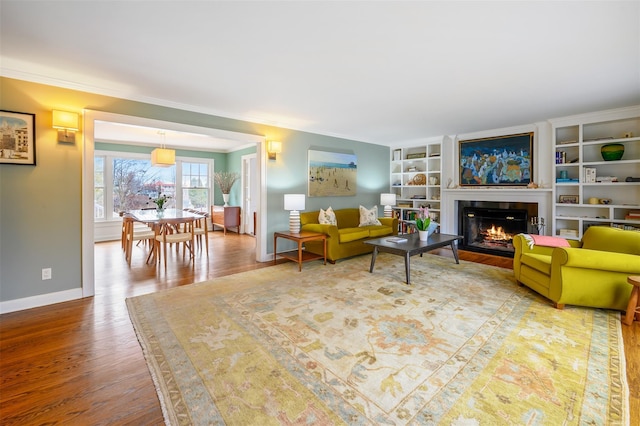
(225, 218)
(633, 308)
(301, 255)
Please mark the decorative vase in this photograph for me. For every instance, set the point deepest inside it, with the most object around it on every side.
(423, 235)
(612, 151)
(225, 197)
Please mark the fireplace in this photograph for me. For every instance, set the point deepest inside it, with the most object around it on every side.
(489, 227)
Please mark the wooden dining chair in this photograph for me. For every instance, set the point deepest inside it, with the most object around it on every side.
(170, 231)
(132, 233)
(201, 229)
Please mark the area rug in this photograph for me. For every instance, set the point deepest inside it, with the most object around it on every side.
(335, 344)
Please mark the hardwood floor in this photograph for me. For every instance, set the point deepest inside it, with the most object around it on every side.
(79, 362)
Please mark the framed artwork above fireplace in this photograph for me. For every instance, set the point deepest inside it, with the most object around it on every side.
(497, 161)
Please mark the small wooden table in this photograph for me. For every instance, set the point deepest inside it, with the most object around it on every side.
(633, 308)
(301, 238)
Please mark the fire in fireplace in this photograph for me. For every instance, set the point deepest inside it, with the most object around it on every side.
(490, 227)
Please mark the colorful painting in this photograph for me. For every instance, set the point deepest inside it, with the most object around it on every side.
(497, 161)
(17, 138)
(332, 174)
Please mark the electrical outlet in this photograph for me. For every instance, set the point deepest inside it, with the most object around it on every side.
(46, 273)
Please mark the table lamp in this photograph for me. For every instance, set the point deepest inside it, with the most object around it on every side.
(388, 200)
(294, 203)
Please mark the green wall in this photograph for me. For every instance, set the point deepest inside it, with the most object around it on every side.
(40, 207)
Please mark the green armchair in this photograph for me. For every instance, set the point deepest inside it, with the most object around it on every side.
(592, 272)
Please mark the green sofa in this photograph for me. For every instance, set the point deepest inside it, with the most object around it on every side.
(592, 272)
(346, 238)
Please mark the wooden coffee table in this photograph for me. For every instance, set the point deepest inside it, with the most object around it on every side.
(411, 247)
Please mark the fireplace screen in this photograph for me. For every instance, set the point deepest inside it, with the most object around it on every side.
(492, 230)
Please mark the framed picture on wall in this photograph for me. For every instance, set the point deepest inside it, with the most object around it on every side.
(17, 138)
(332, 174)
(497, 161)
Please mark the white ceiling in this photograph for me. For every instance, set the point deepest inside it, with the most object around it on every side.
(376, 71)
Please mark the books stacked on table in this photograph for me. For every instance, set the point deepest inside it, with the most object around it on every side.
(397, 240)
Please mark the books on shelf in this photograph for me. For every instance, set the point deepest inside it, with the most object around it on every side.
(606, 179)
(570, 233)
(563, 180)
(633, 215)
(625, 227)
(589, 174)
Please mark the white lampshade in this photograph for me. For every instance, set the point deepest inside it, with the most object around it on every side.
(388, 200)
(65, 120)
(67, 124)
(163, 157)
(294, 203)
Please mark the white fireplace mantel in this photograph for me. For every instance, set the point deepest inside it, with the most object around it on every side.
(449, 198)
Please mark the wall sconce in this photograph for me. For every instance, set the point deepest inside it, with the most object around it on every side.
(388, 200)
(67, 125)
(274, 148)
(294, 203)
(163, 157)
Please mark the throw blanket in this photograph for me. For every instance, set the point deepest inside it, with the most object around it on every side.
(544, 240)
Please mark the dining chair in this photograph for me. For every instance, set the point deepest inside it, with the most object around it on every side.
(201, 229)
(132, 232)
(170, 231)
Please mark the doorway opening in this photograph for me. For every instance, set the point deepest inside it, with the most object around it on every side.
(94, 119)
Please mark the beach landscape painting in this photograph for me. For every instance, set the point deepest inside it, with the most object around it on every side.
(332, 174)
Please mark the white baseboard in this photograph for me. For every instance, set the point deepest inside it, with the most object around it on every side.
(39, 300)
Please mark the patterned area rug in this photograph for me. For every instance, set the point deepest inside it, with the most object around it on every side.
(335, 344)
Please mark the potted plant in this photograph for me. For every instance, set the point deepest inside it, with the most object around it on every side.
(422, 223)
(225, 181)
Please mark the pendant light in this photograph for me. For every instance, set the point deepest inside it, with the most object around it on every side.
(163, 157)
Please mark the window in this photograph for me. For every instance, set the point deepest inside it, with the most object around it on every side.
(128, 181)
(195, 186)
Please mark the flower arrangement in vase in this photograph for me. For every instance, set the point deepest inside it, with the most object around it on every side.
(422, 223)
(160, 201)
(225, 181)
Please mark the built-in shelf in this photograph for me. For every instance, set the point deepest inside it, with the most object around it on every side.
(582, 203)
(416, 179)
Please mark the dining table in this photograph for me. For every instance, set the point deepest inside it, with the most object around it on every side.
(153, 216)
(157, 219)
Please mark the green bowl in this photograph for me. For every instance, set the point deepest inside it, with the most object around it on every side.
(612, 151)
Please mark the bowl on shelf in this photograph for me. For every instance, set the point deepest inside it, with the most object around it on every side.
(612, 151)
